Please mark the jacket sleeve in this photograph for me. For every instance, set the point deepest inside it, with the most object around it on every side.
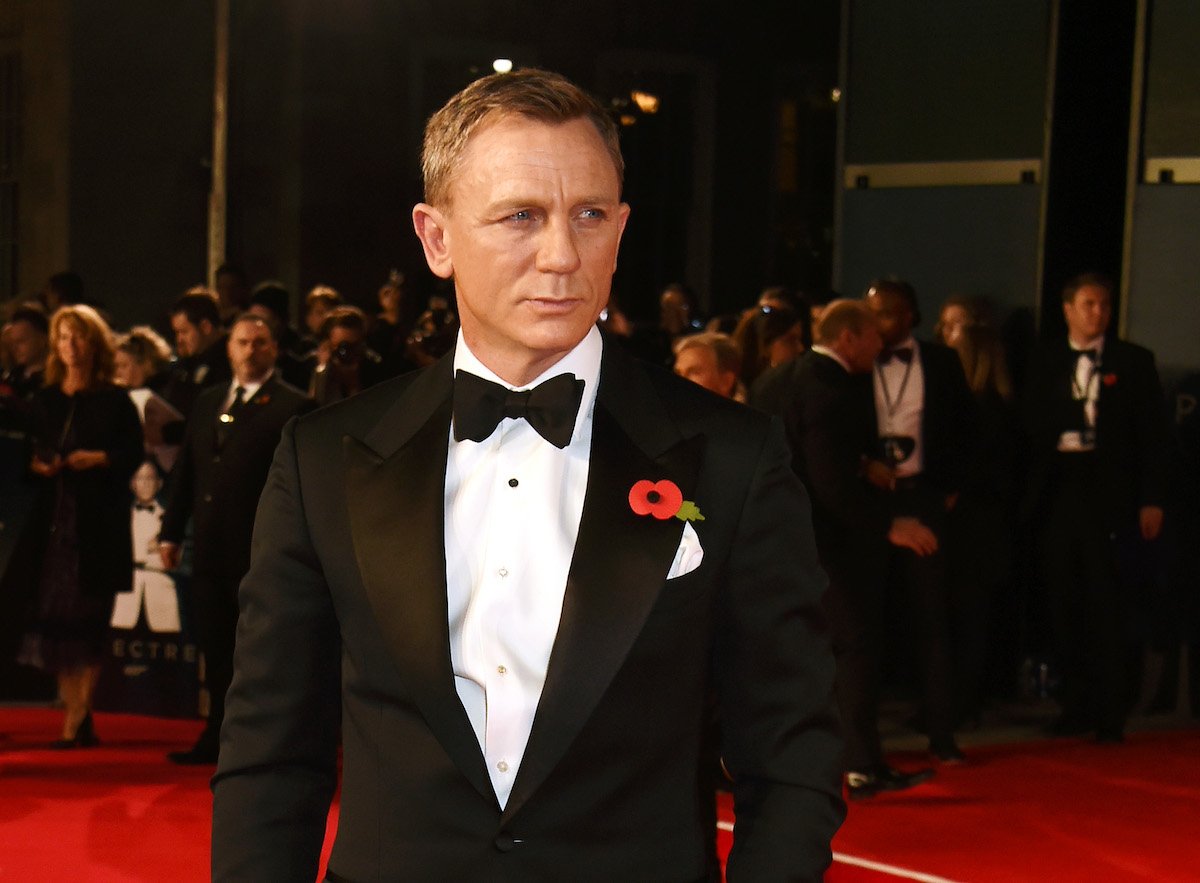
(827, 454)
(278, 762)
(774, 674)
(181, 488)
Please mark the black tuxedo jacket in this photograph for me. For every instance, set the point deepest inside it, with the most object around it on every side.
(949, 421)
(829, 415)
(1132, 431)
(218, 485)
(187, 378)
(344, 616)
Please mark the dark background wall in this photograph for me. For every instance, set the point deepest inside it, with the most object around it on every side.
(730, 181)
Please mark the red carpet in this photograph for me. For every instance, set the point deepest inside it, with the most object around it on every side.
(1061, 811)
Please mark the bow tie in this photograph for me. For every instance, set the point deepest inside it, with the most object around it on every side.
(903, 353)
(550, 407)
(144, 507)
(1093, 354)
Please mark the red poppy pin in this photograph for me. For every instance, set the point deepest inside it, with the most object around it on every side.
(662, 499)
(263, 400)
(1110, 379)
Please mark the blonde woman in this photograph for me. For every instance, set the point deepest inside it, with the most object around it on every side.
(87, 444)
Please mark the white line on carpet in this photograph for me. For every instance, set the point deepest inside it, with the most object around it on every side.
(868, 864)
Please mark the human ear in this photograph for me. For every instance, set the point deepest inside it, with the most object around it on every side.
(430, 226)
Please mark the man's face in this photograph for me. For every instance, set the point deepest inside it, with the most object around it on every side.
(252, 352)
(530, 238)
(189, 338)
(862, 348)
(892, 313)
(1088, 313)
(27, 344)
(673, 311)
(699, 365)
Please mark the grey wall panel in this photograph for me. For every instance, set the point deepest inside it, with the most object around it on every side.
(1172, 97)
(1164, 290)
(932, 81)
(972, 240)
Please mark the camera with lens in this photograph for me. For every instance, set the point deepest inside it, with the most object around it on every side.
(345, 353)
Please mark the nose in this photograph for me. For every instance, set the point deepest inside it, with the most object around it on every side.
(558, 252)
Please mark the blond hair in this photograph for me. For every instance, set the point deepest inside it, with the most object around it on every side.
(98, 336)
(539, 95)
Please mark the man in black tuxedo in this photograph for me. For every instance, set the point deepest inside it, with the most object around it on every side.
(1098, 450)
(518, 577)
(830, 419)
(200, 343)
(925, 418)
(223, 464)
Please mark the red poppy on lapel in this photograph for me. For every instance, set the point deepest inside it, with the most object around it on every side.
(662, 499)
(262, 400)
(1110, 379)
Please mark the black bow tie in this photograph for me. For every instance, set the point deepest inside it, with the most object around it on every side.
(144, 507)
(903, 353)
(1093, 354)
(550, 407)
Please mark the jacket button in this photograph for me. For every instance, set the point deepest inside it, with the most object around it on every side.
(505, 842)
(208, 498)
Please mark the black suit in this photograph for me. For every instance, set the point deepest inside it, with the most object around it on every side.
(345, 617)
(830, 421)
(1087, 505)
(948, 425)
(216, 483)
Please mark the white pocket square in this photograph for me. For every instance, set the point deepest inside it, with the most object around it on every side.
(689, 554)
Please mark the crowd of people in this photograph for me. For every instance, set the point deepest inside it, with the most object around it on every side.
(965, 521)
(84, 407)
(970, 501)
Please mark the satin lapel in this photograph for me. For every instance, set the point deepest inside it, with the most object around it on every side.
(619, 566)
(395, 484)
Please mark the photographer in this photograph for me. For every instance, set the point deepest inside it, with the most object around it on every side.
(345, 364)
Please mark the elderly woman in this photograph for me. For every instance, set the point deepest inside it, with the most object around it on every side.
(87, 444)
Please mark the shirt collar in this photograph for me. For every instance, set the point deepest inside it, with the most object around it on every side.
(250, 388)
(826, 351)
(1096, 343)
(583, 361)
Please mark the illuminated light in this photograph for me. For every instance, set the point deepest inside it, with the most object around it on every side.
(646, 102)
(502, 65)
(628, 119)
(835, 95)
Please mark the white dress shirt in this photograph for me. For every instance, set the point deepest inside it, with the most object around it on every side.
(900, 403)
(1085, 387)
(513, 504)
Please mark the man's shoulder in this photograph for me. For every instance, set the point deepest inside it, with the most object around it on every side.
(1125, 349)
(286, 394)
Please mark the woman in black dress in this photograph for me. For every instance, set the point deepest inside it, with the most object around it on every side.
(87, 444)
